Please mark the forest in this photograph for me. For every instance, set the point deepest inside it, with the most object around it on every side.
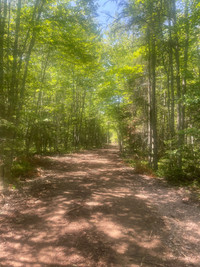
(67, 84)
(100, 133)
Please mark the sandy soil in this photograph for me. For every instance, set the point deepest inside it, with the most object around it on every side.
(90, 209)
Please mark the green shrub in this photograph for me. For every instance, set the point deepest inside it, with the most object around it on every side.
(21, 168)
(189, 171)
(140, 166)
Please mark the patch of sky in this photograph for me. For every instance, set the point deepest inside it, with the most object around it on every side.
(116, 99)
(106, 12)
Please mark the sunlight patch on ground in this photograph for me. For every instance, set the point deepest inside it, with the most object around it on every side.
(195, 261)
(51, 254)
(190, 226)
(77, 226)
(121, 191)
(151, 244)
(54, 218)
(60, 211)
(141, 196)
(75, 175)
(121, 248)
(93, 203)
(38, 237)
(110, 228)
(194, 226)
(113, 193)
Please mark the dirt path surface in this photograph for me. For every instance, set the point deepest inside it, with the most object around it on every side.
(90, 209)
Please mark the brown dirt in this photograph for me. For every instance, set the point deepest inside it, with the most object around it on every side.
(90, 209)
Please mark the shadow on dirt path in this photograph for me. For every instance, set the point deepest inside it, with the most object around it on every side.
(89, 209)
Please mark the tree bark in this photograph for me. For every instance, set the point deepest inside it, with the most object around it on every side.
(13, 94)
(3, 15)
(184, 82)
(154, 112)
(171, 67)
(178, 85)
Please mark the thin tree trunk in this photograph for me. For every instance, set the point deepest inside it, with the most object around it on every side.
(178, 85)
(27, 37)
(13, 95)
(171, 68)
(3, 15)
(149, 101)
(27, 60)
(154, 112)
(184, 83)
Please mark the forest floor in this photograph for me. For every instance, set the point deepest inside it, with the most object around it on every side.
(90, 209)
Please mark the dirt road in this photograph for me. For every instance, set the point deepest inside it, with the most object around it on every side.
(90, 209)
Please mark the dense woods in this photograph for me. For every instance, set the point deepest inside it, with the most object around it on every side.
(67, 85)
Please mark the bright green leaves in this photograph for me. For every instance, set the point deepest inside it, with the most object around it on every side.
(66, 28)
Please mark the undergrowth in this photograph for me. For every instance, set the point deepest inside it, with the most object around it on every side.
(186, 177)
(140, 166)
(22, 168)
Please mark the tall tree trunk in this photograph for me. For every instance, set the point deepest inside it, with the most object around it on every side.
(153, 106)
(178, 85)
(171, 68)
(153, 143)
(3, 15)
(12, 98)
(25, 44)
(149, 101)
(28, 55)
(184, 82)
(13, 94)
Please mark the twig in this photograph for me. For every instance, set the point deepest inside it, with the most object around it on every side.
(148, 262)
(76, 208)
(142, 261)
(150, 234)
